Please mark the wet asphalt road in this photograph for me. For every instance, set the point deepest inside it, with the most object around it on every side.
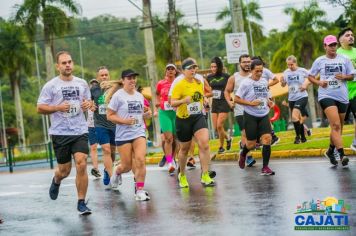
(242, 203)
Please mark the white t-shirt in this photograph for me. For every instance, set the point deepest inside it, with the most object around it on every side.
(328, 68)
(267, 74)
(55, 92)
(239, 109)
(295, 80)
(128, 105)
(251, 90)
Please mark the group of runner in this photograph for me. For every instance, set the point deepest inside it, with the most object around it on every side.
(116, 113)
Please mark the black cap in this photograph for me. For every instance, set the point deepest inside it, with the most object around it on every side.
(128, 73)
(187, 64)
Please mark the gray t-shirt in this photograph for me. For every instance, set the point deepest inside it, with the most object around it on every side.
(267, 74)
(238, 109)
(328, 68)
(100, 120)
(295, 80)
(128, 105)
(250, 90)
(55, 92)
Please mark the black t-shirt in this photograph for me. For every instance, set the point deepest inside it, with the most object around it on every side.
(100, 120)
(218, 84)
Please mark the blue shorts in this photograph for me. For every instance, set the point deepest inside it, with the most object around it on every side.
(92, 136)
(105, 135)
(119, 143)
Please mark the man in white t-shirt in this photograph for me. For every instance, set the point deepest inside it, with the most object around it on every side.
(65, 98)
(233, 85)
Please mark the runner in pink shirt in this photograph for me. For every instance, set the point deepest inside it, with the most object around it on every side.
(167, 115)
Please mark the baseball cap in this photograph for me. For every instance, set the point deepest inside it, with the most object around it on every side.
(188, 64)
(93, 81)
(128, 73)
(330, 39)
(171, 65)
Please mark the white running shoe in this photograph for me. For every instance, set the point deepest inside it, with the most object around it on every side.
(115, 180)
(353, 147)
(142, 195)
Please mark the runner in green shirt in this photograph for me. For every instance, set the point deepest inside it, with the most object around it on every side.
(347, 40)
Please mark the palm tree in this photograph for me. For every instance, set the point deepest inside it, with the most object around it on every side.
(51, 13)
(251, 14)
(304, 40)
(303, 37)
(15, 61)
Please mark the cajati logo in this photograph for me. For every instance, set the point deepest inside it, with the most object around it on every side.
(327, 214)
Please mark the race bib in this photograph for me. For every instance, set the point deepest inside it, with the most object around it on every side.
(194, 108)
(333, 83)
(263, 104)
(216, 94)
(294, 88)
(138, 121)
(167, 106)
(102, 109)
(74, 110)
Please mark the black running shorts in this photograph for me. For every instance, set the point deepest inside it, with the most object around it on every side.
(186, 128)
(240, 122)
(328, 102)
(67, 145)
(351, 109)
(220, 106)
(300, 104)
(255, 127)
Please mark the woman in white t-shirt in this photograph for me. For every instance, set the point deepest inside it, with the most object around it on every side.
(126, 109)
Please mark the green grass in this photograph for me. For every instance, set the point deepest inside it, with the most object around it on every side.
(318, 139)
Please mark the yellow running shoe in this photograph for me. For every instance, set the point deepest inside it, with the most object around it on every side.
(206, 180)
(182, 180)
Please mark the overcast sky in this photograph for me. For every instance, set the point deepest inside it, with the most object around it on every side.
(272, 11)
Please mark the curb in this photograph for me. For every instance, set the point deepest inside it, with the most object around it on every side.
(234, 156)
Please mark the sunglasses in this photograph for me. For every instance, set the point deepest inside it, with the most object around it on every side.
(171, 68)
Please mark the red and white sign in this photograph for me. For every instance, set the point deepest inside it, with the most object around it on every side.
(236, 45)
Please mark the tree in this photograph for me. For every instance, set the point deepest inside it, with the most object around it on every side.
(304, 40)
(51, 13)
(251, 14)
(303, 37)
(350, 15)
(16, 62)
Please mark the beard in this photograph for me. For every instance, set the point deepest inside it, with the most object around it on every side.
(245, 69)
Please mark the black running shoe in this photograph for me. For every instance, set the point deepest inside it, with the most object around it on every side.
(275, 140)
(303, 140)
(54, 190)
(191, 163)
(82, 208)
(221, 150)
(331, 157)
(212, 173)
(297, 140)
(95, 172)
(344, 161)
(162, 162)
(228, 144)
